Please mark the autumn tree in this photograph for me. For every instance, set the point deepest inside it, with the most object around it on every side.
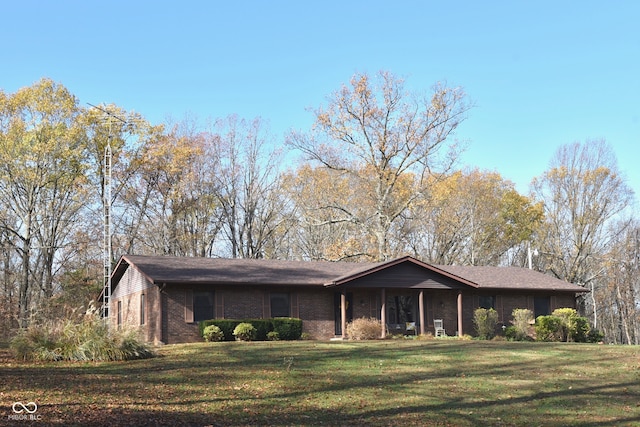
(583, 195)
(327, 210)
(473, 218)
(168, 206)
(377, 132)
(43, 160)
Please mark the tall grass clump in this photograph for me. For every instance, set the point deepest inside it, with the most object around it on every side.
(86, 339)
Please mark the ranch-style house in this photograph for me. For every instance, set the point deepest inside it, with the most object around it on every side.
(165, 296)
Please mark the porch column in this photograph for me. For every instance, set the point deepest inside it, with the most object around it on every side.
(343, 312)
(421, 311)
(383, 313)
(459, 313)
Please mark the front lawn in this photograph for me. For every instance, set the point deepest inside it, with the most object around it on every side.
(393, 382)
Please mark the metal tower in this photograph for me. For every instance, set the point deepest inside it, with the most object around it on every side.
(106, 207)
(106, 210)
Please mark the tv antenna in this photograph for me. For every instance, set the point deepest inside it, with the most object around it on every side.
(106, 210)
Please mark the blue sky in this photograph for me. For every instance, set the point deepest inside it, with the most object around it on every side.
(541, 74)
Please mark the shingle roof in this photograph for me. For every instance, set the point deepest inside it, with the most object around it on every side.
(169, 269)
(510, 278)
(175, 270)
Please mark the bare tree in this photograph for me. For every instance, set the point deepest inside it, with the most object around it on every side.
(583, 194)
(247, 187)
(379, 134)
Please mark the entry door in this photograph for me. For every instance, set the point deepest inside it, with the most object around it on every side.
(337, 316)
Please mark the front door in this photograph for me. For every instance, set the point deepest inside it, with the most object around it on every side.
(337, 316)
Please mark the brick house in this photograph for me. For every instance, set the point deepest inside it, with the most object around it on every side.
(167, 296)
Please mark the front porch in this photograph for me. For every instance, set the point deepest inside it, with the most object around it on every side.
(401, 311)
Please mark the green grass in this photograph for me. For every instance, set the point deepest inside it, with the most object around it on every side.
(394, 382)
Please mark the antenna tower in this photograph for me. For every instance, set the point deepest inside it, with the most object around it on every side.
(106, 207)
(106, 210)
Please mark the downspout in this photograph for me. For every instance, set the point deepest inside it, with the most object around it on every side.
(383, 312)
(421, 311)
(459, 313)
(159, 327)
(343, 312)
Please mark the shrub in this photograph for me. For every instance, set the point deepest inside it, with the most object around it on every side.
(245, 332)
(582, 330)
(227, 326)
(364, 329)
(262, 327)
(549, 328)
(574, 327)
(595, 335)
(273, 336)
(212, 333)
(287, 328)
(485, 321)
(521, 325)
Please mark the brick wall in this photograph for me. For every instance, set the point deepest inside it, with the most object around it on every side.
(314, 306)
(317, 313)
(178, 330)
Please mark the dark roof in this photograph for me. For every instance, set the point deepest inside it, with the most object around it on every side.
(511, 278)
(210, 271)
(169, 269)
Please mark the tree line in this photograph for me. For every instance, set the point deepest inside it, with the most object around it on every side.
(374, 178)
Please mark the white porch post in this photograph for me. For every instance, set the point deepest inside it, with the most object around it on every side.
(421, 311)
(383, 312)
(343, 312)
(459, 313)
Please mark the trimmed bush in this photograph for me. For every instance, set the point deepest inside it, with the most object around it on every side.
(212, 333)
(287, 328)
(364, 329)
(273, 336)
(485, 321)
(245, 332)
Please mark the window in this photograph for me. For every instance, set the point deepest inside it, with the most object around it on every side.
(142, 309)
(486, 302)
(400, 309)
(203, 305)
(119, 314)
(280, 306)
(541, 306)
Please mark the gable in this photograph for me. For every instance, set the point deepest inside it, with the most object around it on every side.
(131, 281)
(406, 275)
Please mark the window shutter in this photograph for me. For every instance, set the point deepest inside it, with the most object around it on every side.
(295, 308)
(188, 306)
(219, 314)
